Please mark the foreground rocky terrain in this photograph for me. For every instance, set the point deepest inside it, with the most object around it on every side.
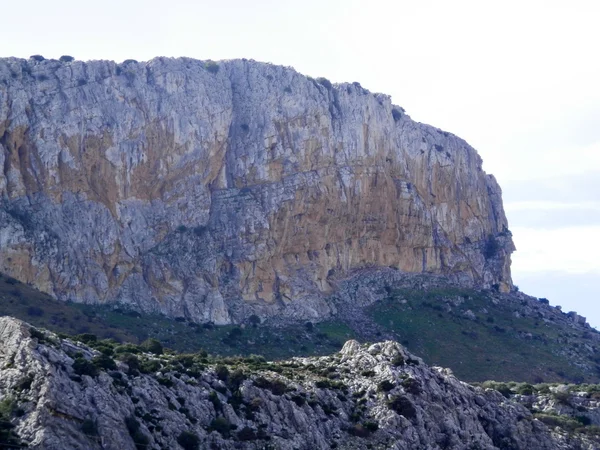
(211, 191)
(61, 394)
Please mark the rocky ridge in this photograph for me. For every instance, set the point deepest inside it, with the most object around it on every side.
(209, 191)
(66, 395)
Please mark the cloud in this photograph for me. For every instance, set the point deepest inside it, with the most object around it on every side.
(577, 188)
(570, 249)
(574, 292)
(551, 215)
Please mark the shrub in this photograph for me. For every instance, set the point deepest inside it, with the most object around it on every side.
(412, 386)
(130, 61)
(38, 58)
(235, 333)
(221, 425)
(150, 366)
(86, 338)
(236, 378)
(153, 346)
(491, 247)
(298, 400)
(105, 362)
(562, 397)
(42, 77)
(37, 334)
(371, 426)
(583, 420)
(245, 127)
(211, 66)
(35, 311)
(398, 360)
(214, 399)
(222, 372)
(246, 434)
(140, 440)
(403, 406)
(385, 386)
(188, 440)
(200, 230)
(324, 82)
(525, 389)
(82, 366)
(89, 427)
(277, 387)
(25, 383)
(128, 348)
(165, 381)
(66, 58)
(362, 430)
(396, 114)
(254, 320)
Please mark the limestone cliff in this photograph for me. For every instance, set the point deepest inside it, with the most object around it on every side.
(60, 394)
(186, 187)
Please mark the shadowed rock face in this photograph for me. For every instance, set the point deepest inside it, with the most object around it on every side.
(184, 190)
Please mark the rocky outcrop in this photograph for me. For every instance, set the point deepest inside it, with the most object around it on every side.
(185, 187)
(64, 395)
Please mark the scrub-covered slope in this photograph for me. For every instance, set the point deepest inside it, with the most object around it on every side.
(61, 394)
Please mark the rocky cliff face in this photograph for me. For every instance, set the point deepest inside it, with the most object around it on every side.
(187, 187)
(379, 396)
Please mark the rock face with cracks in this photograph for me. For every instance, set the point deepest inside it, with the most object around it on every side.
(366, 396)
(186, 188)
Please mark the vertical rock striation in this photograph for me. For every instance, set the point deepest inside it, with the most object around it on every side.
(185, 187)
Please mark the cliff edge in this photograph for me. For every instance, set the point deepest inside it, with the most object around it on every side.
(181, 186)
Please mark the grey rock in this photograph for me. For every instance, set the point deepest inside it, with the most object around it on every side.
(414, 406)
(212, 192)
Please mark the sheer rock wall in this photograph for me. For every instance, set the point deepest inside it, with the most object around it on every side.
(182, 187)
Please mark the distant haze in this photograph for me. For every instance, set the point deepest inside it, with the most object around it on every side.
(516, 79)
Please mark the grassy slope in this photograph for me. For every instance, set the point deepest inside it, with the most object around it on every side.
(494, 345)
(490, 347)
(25, 303)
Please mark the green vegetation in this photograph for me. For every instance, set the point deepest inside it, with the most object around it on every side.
(140, 440)
(324, 82)
(211, 66)
(464, 329)
(8, 410)
(188, 441)
(396, 114)
(433, 325)
(120, 325)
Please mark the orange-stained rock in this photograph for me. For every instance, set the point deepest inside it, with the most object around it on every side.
(175, 189)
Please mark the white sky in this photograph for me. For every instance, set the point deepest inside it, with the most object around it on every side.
(519, 80)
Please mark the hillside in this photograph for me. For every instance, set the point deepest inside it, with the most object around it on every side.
(479, 334)
(61, 394)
